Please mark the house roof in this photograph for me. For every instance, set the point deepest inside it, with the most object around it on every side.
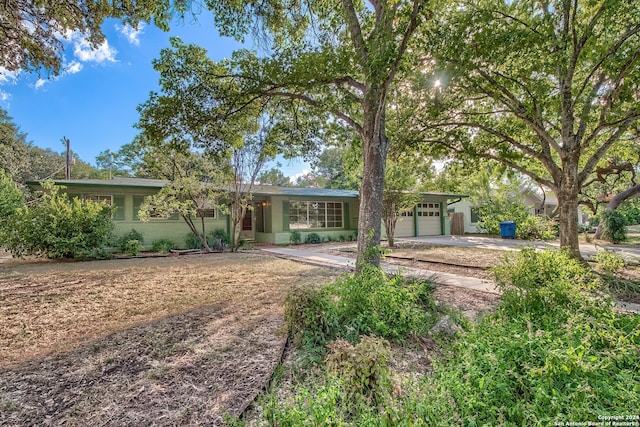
(114, 182)
(259, 190)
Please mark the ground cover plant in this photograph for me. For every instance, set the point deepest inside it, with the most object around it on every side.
(163, 341)
(555, 350)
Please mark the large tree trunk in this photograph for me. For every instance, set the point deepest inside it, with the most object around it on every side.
(374, 148)
(568, 210)
(617, 201)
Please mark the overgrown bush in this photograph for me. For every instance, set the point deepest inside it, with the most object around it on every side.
(614, 226)
(528, 227)
(295, 237)
(219, 234)
(367, 303)
(363, 368)
(133, 247)
(163, 246)
(192, 242)
(534, 283)
(313, 238)
(609, 261)
(58, 227)
(561, 354)
(123, 240)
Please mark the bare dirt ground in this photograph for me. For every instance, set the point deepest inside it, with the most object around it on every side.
(159, 341)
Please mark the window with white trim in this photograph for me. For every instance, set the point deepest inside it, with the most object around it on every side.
(309, 214)
(99, 198)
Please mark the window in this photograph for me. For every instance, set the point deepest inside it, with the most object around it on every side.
(206, 213)
(137, 202)
(315, 215)
(407, 213)
(118, 204)
(116, 201)
(475, 215)
(99, 198)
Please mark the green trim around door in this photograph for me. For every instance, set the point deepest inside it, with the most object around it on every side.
(285, 216)
(345, 216)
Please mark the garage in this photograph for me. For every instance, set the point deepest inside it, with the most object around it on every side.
(429, 219)
(405, 225)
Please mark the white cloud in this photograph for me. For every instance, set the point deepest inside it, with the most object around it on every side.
(73, 67)
(41, 82)
(7, 76)
(4, 96)
(131, 33)
(84, 52)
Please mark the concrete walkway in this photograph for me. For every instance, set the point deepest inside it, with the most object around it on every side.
(473, 283)
(344, 263)
(630, 253)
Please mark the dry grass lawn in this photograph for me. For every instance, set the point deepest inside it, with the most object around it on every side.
(159, 341)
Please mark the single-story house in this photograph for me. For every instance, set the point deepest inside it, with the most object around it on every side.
(276, 211)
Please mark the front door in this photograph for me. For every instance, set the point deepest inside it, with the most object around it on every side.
(247, 225)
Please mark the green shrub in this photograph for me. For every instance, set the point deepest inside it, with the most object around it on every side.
(614, 226)
(609, 261)
(11, 199)
(363, 369)
(311, 319)
(295, 237)
(528, 227)
(133, 247)
(192, 242)
(163, 246)
(534, 283)
(313, 238)
(220, 234)
(58, 227)
(123, 241)
(367, 303)
(575, 359)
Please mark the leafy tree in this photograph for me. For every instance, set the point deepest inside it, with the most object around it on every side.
(550, 109)
(31, 31)
(330, 62)
(58, 227)
(246, 163)
(111, 162)
(195, 185)
(398, 196)
(11, 199)
(274, 176)
(13, 147)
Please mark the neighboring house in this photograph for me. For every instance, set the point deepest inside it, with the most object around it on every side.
(276, 211)
(537, 206)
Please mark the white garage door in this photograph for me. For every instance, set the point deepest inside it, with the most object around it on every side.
(429, 219)
(404, 226)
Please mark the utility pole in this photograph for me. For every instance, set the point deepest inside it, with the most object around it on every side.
(67, 170)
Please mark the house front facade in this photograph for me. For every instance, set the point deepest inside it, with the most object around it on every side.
(275, 213)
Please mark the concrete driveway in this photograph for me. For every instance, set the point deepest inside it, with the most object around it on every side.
(628, 252)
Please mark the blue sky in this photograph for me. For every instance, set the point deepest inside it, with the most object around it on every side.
(93, 102)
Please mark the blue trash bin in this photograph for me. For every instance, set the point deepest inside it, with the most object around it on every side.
(508, 230)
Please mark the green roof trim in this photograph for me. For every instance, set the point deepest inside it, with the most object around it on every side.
(258, 190)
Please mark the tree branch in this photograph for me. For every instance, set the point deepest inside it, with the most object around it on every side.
(595, 157)
(340, 115)
(355, 30)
